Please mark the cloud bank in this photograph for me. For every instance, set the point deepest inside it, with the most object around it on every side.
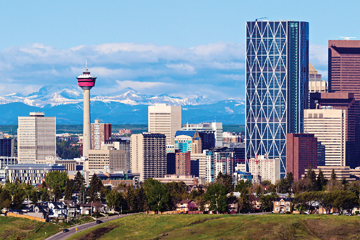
(215, 70)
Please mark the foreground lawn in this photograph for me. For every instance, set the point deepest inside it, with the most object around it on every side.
(269, 226)
(13, 228)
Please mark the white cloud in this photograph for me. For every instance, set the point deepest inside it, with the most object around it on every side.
(182, 68)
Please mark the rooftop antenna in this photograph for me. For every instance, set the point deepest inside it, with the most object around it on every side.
(259, 18)
(86, 69)
(347, 38)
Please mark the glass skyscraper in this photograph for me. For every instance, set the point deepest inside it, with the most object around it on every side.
(277, 62)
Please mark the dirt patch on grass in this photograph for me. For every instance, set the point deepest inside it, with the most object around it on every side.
(334, 228)
(97, 233)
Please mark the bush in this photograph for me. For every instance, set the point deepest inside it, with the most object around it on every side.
(356, 212)
(288, 212)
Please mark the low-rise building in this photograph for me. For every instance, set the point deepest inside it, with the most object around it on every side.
(263, 168)
(114, 179)
(31, 173)
(187, 179)
(282, 205)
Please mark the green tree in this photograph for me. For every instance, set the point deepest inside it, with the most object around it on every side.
(114, 199)
(34, 197)
(321, 181)
(267, 202)
(226, 180)
(216, 195)
(45, 194)
(96, 187)
(79, 181)
(140, 199)
(177, 191)
(290, 178)
(56, 178)
(69, 189)
(244, 203)
(157, 195)
(5, 199)
(242, 184)
(57, 193)
(17, 201)
(283, 186)
(333, 175)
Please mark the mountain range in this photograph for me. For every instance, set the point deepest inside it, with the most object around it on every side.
(125, 107)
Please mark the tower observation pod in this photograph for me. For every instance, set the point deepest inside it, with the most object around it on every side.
(86, 81)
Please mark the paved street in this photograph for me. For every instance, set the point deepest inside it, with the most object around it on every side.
(72, 230)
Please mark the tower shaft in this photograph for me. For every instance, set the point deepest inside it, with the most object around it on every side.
(86, 123)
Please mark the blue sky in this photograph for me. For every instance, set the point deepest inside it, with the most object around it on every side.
(181, 48)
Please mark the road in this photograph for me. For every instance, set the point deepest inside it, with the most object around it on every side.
(62, 236)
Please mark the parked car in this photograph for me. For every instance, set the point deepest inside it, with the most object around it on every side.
(347, 214)
(98, 221)
(65, 230)
(336, 213)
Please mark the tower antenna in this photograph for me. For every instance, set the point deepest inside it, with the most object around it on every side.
(86, 69)
(259, 18)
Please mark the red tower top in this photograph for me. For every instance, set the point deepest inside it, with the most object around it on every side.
(86, 80)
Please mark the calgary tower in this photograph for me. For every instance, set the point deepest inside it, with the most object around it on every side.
(86, 81)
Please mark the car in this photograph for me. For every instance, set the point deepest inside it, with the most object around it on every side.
(65, 230)
(347, 214)
(336, 213)
(98, 221)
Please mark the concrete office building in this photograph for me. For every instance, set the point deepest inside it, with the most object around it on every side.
(6, 146)
(345, 101)
(148, 155)
(182, 163)
(344, 71)
(100, 132)
(188, 141)
(301, 151)
(198, 165)
(164, 119)
(36, 138)
(31, 173)
(263, 169)
(215, 127)
(121, 144)
(316, 85)
(329, 127)
(70, 164)
(277, 62)
(110, 158)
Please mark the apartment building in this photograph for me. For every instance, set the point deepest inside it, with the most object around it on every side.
(263, 169)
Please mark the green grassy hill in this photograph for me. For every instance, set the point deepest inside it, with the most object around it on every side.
(269, 226)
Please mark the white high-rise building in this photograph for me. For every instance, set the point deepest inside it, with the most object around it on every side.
(148, 155)
(214, 127)
(36, 138)
(263, 169)
(164, 119)
(329, 127)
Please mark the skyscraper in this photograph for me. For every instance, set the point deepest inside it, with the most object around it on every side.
(100, 132)
(344, 71)
(164, 119)
(148, 155)
(36, 138)
(301, 151)
(277, 62)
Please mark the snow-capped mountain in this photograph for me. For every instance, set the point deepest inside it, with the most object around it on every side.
(125, 107)
(54, 96)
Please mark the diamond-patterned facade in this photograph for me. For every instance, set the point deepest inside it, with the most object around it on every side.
(277, 55)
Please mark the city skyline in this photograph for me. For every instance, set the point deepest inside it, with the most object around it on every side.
(199, 50)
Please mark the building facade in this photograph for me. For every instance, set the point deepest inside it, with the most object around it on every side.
(36, 138)
(31, 173)
(111, 158)
(277, 61)
(301, 151)
(148, 155)
(198, 165)
(7, 147)
(343, 71)
(188, 141)
(121, 144)
(263, 169)
(164, 119)
(182, 163)
(215, 127)
(316, 84)
(329, 127)
(344, 101)
(100, 132)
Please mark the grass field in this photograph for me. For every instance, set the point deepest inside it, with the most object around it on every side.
(269, 226)
(12, 228)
